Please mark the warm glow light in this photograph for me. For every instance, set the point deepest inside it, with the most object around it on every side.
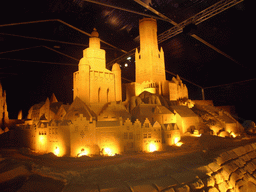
(41, 139)
(129, 58)
(126, 65)
(179, 144)
(197, 135)
(152, 147)
(108, 152)
(233, 135)
(176, 140)
(57, 151)
(84, 152)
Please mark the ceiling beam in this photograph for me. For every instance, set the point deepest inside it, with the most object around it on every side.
(124, 9)
(156, 12)
(44, 62)
(42, 39)
(214, 48)
(22, 49)
(63, 22)
(198, 18)
(177, 29)
(216, 8)
(61, 53)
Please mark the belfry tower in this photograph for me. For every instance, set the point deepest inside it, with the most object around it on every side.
(150, 65)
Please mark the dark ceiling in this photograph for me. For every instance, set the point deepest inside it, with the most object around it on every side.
(42, 42)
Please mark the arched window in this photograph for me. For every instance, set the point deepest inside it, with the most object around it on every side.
(99, 95)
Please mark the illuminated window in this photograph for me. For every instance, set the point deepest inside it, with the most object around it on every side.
(131, 135)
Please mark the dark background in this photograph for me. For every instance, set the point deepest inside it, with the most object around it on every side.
(30, 69)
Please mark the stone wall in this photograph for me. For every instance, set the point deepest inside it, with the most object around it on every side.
(233, 170)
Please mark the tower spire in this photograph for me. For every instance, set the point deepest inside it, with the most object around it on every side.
(150, 64)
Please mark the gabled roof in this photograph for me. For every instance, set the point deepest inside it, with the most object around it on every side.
(38, 106)
(55, 106)
(79, 107)
(114, 109)
(151, 109)
(184, 111)
(162, 110)
(53, 98)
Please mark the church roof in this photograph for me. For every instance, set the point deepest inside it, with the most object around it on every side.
(79, 107)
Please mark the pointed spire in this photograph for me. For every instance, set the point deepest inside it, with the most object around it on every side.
(136, 51)
(6, 114)
(53, 99)
(47, 101)
(20, 115)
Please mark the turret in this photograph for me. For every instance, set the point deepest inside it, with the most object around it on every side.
(94, 41)
(93, 56)
(118, 84)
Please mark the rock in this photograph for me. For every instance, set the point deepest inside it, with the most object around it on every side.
(184, 188)
(213, 189)
(198, 184)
